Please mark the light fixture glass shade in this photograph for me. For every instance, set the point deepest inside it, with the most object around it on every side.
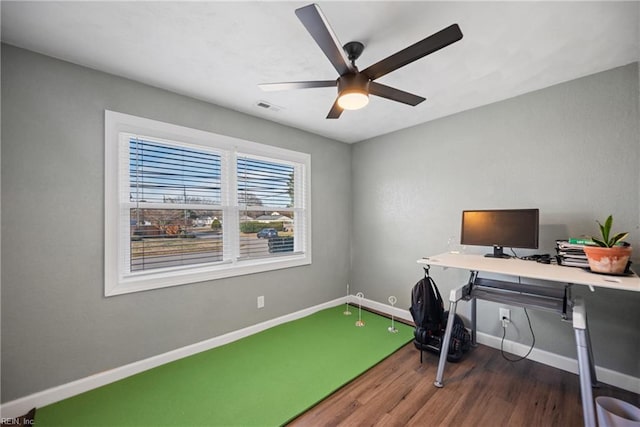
(353, 100)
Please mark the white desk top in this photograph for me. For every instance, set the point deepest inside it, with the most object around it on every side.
(532, 270)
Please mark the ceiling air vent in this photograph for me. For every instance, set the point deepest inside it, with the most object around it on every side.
(268, 106)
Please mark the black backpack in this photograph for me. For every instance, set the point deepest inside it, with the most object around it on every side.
(427, 310)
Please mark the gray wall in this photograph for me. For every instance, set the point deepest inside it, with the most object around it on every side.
(571, 150)
(56, 324)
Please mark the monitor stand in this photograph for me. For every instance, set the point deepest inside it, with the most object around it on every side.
(497, 253)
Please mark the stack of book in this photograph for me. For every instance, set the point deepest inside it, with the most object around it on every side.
(571, 252)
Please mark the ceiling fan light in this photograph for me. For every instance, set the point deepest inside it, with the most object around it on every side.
(353, 100)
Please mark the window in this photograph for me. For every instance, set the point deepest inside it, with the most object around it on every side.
(184, 205)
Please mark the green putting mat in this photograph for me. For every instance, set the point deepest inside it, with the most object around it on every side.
(265, 379)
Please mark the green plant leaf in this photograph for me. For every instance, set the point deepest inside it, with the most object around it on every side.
(599, 242)
(618, 238)
(606, 229)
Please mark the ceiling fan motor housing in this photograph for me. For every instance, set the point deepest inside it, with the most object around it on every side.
(357, 82)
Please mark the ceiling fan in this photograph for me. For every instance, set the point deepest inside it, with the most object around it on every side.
(354, 86)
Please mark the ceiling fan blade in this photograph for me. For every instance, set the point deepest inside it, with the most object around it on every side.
(317, 25)
(271, 87)
(394, 94)
(433, 43)
(335, 111)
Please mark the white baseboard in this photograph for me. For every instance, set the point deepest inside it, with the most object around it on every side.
(607, 376)
(22, 405)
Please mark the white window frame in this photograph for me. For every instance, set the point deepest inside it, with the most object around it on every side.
(118, 280)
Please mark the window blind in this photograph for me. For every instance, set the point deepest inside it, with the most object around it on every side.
(172, 191)
(266, 200)
(162, 173)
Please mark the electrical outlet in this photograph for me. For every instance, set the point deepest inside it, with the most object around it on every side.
(505, 316)
(261, 301)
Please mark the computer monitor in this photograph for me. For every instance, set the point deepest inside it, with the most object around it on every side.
(500, 228)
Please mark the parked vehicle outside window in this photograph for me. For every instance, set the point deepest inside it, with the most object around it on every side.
(267, 233)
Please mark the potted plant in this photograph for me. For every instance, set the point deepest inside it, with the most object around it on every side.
(609, 254)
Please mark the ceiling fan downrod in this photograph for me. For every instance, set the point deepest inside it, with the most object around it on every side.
(353, 50)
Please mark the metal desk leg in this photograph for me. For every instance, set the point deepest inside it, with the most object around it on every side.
(592, 363)
(583, 346)
(474, 343)
(444, 347)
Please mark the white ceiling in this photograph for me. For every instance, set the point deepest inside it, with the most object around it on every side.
(220, 51)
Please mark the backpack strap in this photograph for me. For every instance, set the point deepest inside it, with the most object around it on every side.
(437, 292)
(434, 306)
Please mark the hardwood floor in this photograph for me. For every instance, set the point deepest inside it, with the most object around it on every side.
(482, 390)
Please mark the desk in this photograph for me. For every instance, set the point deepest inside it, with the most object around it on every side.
(556, 299)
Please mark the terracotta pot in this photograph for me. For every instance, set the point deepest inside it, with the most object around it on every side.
(608, 260)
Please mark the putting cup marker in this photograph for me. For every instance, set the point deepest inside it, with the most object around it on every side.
(392, 300)
(360, 296)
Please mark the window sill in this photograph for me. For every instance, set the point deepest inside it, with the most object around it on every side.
(178, 276)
